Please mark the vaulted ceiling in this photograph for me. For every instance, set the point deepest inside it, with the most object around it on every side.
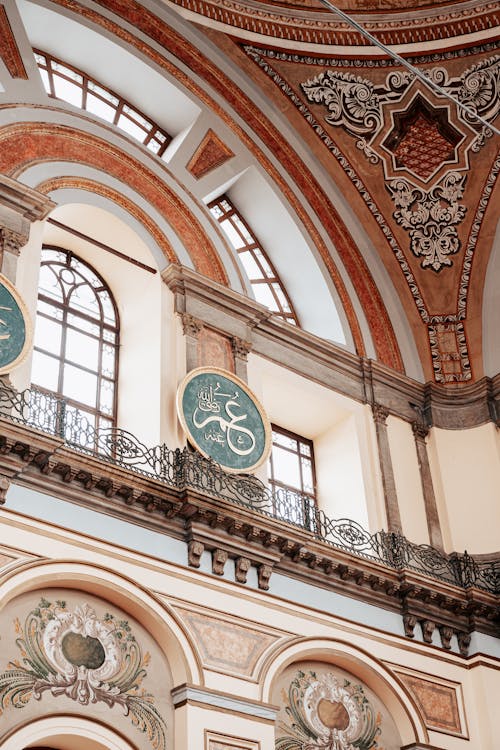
(391, 184)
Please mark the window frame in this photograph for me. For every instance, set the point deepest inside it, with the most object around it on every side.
(254, 248)
(308, 500)
(120, 107)
(62, 359)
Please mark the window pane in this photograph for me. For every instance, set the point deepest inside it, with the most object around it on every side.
(107, 396)
(100, 108)
(82, 349)
(131, 128)
(235, 239)
(68, 91)
(264, 295)
(84, 325)
(45, 371)
(103, 93)
(307, 477)
(45, 80)
(287, 442)
(108, 361)
(249, 264)
(80, 385)
(286, 467)
(48, 335)
(84, 298)
(49, 284)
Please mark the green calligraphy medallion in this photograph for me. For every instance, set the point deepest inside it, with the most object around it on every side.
(223, 419)
(15, 327)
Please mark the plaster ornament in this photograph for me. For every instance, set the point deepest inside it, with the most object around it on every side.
(327, 713)
(85, 658)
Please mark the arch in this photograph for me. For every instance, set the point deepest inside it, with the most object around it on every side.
(27, 143)
(98, 188)
(57, 730)
(379, 678)
(153, 614)
(379, 323)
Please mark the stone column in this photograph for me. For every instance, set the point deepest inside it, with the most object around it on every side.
(420, 432)
(380, 414)
(241, 349)
(191, 328)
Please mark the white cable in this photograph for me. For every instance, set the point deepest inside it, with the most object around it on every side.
(416, 72)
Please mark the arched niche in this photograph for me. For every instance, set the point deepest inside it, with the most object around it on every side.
(344, 662)
(66, 733)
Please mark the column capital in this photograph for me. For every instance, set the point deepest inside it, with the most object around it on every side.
(191, 326)
(420, 429)
(240, 347)
(11, 241)
(380, 413)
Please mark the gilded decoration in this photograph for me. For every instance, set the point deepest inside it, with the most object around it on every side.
(68, 653)
(323, 708)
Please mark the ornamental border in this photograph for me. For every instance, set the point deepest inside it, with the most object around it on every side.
(28, 325)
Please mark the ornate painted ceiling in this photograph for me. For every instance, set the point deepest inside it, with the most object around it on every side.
(347, 136)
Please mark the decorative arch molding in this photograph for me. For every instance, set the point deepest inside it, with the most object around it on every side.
(379, 323)
(157, 617)
(92, 186)
(28, 143)
(360, 663)
(56, 729)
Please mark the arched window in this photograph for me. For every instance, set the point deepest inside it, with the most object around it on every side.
(266, 284)
(75, 353)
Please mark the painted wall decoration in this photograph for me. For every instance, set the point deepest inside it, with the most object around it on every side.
(71, 655)
(223, 419)
(324, 708)
(15, 327)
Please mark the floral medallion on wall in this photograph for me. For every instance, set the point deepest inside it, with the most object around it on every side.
(323, 708)
(70, 652)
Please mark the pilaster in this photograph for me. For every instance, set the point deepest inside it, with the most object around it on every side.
(380, 414)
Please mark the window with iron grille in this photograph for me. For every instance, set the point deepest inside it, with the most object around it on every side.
(63, 81)
(292, 477)
(266, 284)
(75, 356)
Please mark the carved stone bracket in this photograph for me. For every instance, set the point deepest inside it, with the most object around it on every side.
(409, 622)
(463, 639)
(264, 574)
(4, 486)
(219, 559)
(428, 628)
(241, 568)
(195, 551)
(446, 636)
(380, 413)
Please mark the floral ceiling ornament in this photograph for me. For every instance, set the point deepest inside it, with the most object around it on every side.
(431, 218)
(327, 713)
(422, 141)
(87, 659)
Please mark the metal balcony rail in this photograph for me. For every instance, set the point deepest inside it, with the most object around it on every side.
(183, 469)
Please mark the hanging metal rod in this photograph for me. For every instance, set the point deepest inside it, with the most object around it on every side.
(416, 72)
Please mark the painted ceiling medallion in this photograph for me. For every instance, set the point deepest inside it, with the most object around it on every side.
(85, 658)
(328, 714)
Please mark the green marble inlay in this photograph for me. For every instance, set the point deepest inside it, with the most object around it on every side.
(12, 328)
(224, 421)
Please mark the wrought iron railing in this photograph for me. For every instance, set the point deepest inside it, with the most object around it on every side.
(182, 468)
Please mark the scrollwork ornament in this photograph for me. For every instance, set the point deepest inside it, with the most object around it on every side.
(85, 658)
(351, 101)
(431, 218)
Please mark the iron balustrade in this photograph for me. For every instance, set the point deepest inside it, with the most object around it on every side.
(183, 468)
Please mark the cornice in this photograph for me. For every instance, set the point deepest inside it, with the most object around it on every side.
(451, 407)
(307, 28)
(230, 530)
(23, 200)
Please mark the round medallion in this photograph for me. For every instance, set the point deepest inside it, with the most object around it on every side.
(15, 327)
(223, 419)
